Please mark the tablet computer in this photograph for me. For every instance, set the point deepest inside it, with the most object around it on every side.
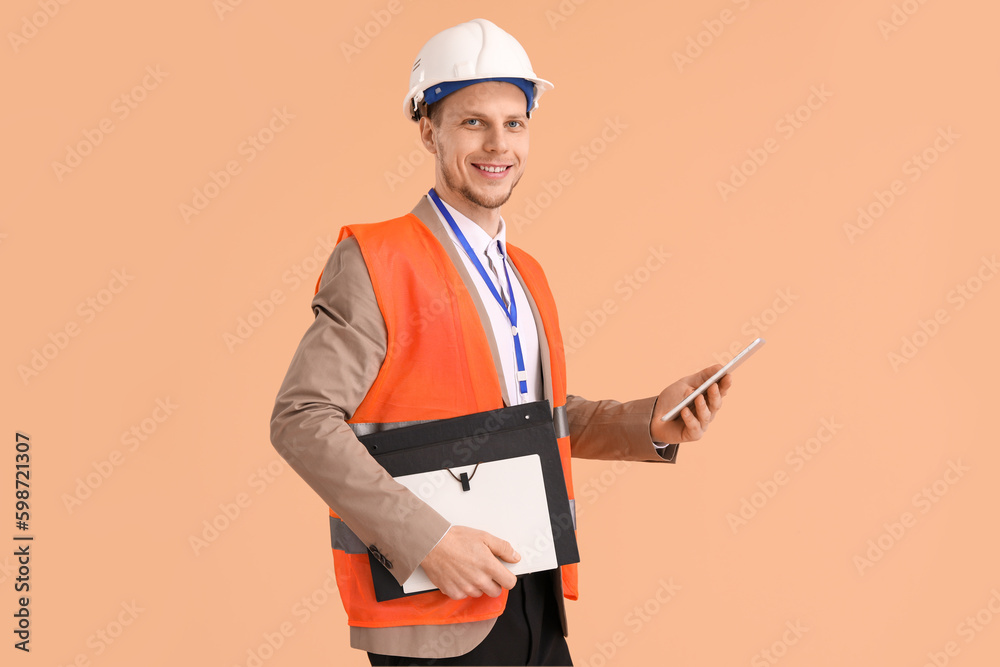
(736, 361)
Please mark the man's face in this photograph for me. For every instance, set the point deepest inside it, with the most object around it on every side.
(480, 138)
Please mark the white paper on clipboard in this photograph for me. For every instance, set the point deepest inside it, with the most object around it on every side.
(506, 499)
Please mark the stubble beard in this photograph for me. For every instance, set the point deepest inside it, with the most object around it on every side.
(487, 202)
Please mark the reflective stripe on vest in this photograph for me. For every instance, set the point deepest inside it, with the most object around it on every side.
(560, 422)
(438, 365)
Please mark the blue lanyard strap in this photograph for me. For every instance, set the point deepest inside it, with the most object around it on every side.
(522, 376)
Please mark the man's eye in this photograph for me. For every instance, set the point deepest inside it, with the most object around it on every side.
(472, 121)
(514, 123)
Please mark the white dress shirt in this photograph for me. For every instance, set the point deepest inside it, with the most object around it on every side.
(484, 246)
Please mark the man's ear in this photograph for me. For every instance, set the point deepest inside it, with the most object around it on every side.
(427, 134)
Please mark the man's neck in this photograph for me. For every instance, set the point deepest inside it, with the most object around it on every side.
(487, 218)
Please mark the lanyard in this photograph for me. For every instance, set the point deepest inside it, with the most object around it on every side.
(522, 375)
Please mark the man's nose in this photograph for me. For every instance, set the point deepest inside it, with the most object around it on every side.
(496, 140)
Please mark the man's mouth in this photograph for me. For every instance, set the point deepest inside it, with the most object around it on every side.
(492, 168)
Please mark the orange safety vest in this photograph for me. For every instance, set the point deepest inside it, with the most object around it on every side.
(437, 365)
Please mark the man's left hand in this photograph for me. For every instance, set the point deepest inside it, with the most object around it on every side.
(691, 424)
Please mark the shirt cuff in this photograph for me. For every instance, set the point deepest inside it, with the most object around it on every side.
(667, 451)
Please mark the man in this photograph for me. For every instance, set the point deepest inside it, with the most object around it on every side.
(433, 315)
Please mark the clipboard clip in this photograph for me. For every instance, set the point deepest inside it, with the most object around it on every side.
(464, 478)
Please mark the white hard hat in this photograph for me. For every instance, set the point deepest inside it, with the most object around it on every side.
(470, 52)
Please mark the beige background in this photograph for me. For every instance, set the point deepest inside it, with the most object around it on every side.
(662, 133)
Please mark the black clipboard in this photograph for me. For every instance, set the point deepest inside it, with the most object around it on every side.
(493, 435)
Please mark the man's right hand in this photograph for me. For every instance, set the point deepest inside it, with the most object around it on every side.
(466, 563)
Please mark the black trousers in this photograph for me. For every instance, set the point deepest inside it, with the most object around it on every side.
(528, 631)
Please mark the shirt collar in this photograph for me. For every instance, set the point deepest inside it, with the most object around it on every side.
(477, 237)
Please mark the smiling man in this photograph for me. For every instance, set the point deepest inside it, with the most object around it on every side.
(479, 136)
(434, 315)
